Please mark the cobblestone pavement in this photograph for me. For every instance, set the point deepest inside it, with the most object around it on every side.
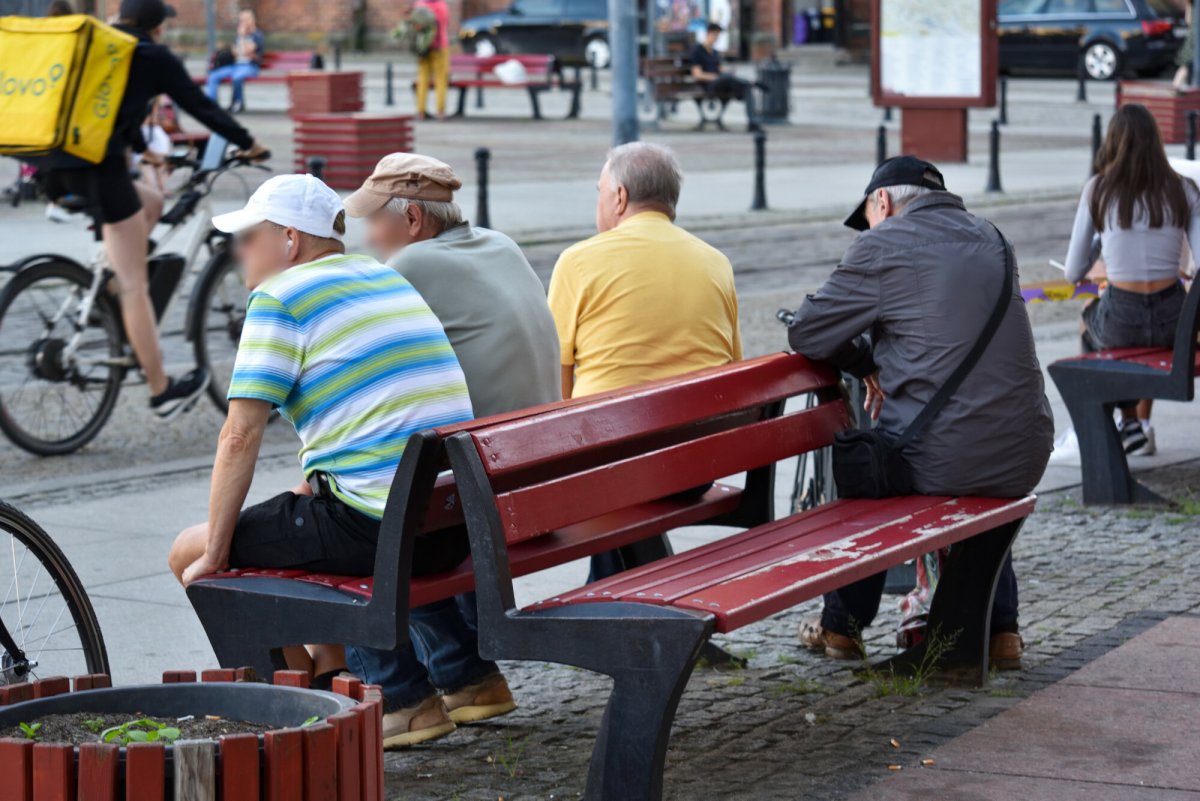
(795, 725)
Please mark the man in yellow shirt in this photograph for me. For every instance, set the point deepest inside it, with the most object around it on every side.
(643, 299)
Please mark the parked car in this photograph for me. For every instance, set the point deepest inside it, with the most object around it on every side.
(1110, 37)
(576, 31)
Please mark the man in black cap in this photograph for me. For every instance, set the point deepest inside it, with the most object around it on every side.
(153, 71)
(902, 310)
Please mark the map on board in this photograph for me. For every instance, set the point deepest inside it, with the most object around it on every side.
(930, 49)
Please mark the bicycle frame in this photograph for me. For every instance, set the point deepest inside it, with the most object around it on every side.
(19, 664)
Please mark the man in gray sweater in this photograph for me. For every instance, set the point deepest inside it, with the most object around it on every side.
(494, 311)
(902, 309)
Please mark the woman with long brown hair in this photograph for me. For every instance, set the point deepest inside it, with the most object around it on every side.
(1142, 211)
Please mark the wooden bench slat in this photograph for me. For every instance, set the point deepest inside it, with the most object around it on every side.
(532, 511)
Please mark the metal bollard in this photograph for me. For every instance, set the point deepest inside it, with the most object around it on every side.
(1191, 135)
(881, 145)
(760, 168)
(316, 167)
(389, 95)
(993, 182)
(478, 97)
(1003, 100)
(337, 58)
(1081, 92)
(887, 113)
(1097, 138)
(482, 218)
(595, 76)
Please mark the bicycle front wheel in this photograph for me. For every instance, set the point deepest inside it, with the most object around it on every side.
(218, 313)
(47, 624)
(59, 380)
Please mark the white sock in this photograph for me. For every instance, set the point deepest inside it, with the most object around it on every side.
(1145, 424)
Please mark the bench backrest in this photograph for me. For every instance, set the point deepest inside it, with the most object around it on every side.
(1183, 363)
(536, 66)
(286, 60)
(523, 478)
(667, 69)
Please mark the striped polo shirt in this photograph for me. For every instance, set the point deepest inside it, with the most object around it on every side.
(353, 357)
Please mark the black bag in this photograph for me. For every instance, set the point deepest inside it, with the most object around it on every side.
(870, 463)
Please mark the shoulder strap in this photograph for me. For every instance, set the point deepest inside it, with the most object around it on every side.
(959, 375)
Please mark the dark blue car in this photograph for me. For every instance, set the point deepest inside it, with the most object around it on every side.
(576, 31)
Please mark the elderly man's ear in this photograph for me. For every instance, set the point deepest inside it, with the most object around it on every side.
(622, 200)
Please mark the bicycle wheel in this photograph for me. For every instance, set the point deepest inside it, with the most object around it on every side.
(58, 383)
(216, 318)
(44, 611)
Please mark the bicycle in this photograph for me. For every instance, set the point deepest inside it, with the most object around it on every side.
(38, 638)
(63, 349)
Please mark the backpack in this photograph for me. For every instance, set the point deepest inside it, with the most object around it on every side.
(420, 30)
(61, 84)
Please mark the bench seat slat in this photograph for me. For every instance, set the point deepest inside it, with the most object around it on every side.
(531, 511)
(1155, 358)
(741, 580)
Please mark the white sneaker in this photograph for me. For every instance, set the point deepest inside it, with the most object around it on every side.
(1149, 448)
(56, 213)
(1066, 448)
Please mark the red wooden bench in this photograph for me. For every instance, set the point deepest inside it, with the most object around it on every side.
(1092, 385)
(276, 66)
(522, 479)
(542, 73)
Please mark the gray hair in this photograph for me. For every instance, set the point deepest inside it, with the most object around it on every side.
(650, 173)
(446, 214)
(902, 194)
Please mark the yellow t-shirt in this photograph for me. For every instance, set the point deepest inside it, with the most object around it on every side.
(643, 301)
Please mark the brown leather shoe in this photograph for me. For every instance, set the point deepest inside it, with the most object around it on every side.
(487, 699)
(1005, 651)
(837, 646)
(427, 720)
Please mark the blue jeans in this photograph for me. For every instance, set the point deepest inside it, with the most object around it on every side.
(235, 74)
(444, 654)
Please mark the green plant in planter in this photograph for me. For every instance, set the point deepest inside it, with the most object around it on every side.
(140, 731)
(30, 730)
(94, 725)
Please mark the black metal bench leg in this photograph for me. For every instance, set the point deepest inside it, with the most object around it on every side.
(576, 105)
(960, 616)
(631, 748)
(235, 644)
(1106, 476)
(533, 100)
(462, 102)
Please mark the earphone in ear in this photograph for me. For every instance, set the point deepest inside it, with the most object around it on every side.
(288, 247)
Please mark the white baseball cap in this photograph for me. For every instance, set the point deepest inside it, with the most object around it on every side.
(293, 201)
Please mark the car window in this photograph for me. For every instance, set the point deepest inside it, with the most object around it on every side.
(1111, 7)
(1020, 7)
(1069, 7)
(538, 8)
(588, 9)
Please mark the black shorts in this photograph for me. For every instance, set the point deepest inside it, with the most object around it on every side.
(1123, 319)
(322, 534)
(108, 185)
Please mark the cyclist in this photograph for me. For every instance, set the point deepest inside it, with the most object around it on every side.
(154, 70)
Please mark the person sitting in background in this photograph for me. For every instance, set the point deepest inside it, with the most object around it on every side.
(921, 279)
(643, 299)
(1144, 212)
(493, 309)
(706, 68)
(246, 53)
(350, 354)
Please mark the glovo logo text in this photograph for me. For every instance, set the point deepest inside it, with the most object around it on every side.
(33, 85)
(102, 102)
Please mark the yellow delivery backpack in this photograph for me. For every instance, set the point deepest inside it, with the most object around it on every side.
(61, 84)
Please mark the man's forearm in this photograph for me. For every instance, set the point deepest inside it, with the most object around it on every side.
(233, 472)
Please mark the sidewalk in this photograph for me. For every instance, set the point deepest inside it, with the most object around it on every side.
(1119, 729)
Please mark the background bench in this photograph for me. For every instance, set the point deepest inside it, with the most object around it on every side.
(276, 64)
(542, 73)
(519, 481)
(1092, 385)
(669, 80)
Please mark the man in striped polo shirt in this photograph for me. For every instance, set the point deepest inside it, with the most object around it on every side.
(350, 354)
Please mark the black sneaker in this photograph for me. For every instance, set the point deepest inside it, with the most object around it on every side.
(1133, 436)
(180, 395)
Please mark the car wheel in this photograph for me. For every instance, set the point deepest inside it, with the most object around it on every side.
(1102, 61)
(597, 52)
(485, 46)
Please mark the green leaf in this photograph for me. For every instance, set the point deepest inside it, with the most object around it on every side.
(108, 735)
(135, 736)
(310, 721)
(30, 730)
(168, 733)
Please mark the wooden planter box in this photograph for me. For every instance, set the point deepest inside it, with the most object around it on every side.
(1169, 106)
(322, 92)
(351, 144)
(339, 758)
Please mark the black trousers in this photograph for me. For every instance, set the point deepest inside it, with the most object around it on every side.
(740, 89)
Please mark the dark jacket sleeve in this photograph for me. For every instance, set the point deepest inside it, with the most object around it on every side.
(174, 81)
(830, 326)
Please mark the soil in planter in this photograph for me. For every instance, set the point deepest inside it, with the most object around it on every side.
(86, 727)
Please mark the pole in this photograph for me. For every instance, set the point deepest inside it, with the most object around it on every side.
(1191, 136)
(622, 41)
(337, 58)
(316, 167)
(482, 218)
(887, 113)
(1195, 44)
(1097, 137)
(760, 167)
(881, 145)
(993, 182)
(210, 21)
(1081, 92)
(389, 96)
(1004, 100)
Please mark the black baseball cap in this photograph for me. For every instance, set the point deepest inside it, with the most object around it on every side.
(145, 14)
(896, 171)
